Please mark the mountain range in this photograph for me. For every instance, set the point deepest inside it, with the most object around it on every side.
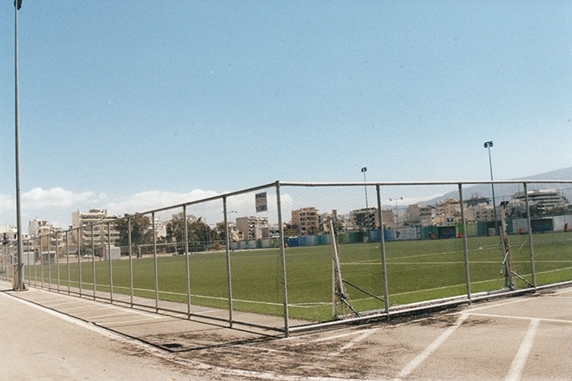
(503, 192)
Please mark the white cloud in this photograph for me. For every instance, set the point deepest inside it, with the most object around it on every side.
(149, 200)
(7, 203)
(56, 204)
(55, 198)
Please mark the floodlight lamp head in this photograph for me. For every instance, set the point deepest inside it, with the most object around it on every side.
(488, 144)
(364, 169)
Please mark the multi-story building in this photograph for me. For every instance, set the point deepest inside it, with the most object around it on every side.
(44, 235)
(419, 215)
(253, 227)
(324, 221)
(365, 218)
(306, 220)
(545, 199)
(447, 212)
(93, 226)
(9, 239)
(544, 202)
(480, 212)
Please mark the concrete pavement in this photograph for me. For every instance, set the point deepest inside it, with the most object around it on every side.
(51, 336)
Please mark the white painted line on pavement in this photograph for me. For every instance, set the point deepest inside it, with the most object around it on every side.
(527, 318)
(519, 360)
(231, 373)
(431, 348)
(494, 305)
(354, 341)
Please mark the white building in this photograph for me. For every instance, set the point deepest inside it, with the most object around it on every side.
(253, 227)
(545, 198)
(93, 226)
(419, 215)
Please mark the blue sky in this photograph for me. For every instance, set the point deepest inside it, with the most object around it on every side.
(131, 105)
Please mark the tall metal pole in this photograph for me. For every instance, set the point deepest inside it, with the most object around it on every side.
(396, 210)
(364, 170)
(19, 285)
(488, 146)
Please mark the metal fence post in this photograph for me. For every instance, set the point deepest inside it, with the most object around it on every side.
(27, 260)
(283, 262)
(465, 243)
(130, 261)
(187, 268)
(155, 264)
(228, 265)
(79, 243)
(58, 260)
(110, 262)
(382, 249)
(93, 260)
(49, 246)
(530, 243)
(49, 275)
(68, 260)
(41, 263)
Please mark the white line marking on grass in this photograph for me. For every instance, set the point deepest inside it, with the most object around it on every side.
(519, 360)
(431, 348)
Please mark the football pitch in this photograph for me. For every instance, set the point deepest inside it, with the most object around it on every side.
(417, 271)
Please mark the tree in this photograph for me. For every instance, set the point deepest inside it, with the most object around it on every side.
(199, 234)
(140, 230)
(221, 232)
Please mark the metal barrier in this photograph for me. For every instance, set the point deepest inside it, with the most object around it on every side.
(315, 254)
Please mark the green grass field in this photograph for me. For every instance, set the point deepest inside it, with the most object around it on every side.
(416, 271)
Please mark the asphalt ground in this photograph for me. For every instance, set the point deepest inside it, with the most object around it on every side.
(49, 336)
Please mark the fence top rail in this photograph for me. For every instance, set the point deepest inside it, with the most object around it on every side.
(410, 183)
(207, 199)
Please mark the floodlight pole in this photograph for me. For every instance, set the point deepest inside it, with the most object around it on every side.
(396, 211)
(488, 146)
(19, 284)
(364, 170)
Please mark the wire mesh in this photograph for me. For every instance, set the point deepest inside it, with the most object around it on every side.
(287, 255)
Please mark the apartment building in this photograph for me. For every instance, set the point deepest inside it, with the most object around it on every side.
(306, 220)
(252, 227)
(44, 235)
(93, 226)
(546, 198)
(447, 212)
(419, 215)
(366, 218)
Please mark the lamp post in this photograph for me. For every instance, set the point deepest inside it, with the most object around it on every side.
(19, 285)
(396, 212)
(488, 146)
(364, 170)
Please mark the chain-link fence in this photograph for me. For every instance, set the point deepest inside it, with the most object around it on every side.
(293, 256)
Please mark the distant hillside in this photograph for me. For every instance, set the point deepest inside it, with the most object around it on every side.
(559, 174)
(505, 191)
